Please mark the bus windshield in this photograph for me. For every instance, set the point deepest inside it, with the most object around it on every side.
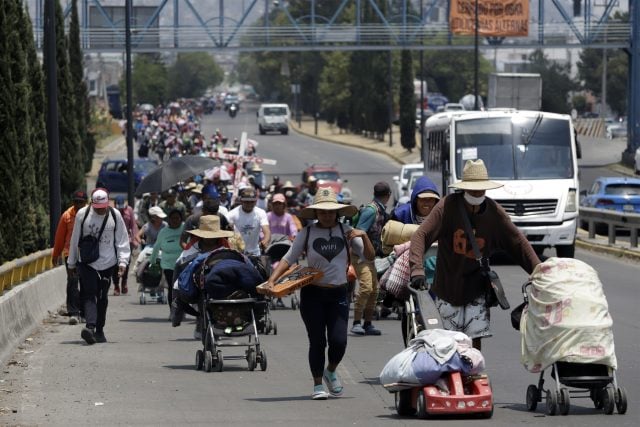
(516, 147)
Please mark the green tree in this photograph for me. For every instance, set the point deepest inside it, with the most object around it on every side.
(452, 74)
(590, 70)
(334, 89)
(192, 74)
(557, 83)
(81, 101)
(71, 166)
(407, 102)
(148, 79)
(39, 183)
(10, 237)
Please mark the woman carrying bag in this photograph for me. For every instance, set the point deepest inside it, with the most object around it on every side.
(324, 306)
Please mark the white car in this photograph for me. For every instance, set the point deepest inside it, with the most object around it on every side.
(400, 181)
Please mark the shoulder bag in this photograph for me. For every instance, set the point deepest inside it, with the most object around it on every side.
(494, 293)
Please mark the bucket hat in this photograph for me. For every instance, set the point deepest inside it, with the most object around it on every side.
(326, 200)
(475, 177)
(209, 228)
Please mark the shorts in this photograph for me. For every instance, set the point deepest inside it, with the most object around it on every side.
(472, 319)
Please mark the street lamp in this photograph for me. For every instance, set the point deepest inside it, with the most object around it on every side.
(129, 133)
(475, 59)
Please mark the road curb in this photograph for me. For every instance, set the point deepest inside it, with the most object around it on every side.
(346, 144)
(609, 250)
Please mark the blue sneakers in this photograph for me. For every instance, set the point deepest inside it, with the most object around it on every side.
(319, 393)
(333, 383)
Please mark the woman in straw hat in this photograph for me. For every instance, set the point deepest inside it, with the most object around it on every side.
(460, 293)
(208, 237)
(323, 305)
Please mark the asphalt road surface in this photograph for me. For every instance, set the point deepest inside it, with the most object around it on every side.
(145, 374)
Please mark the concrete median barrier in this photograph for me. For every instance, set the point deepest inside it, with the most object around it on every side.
(23, 308)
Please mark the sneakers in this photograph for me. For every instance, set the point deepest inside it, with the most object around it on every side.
(367, 329)
(371, 330)
(177, 315)
(319, 393)
(116, 291)
(99, 337)
(279, 303)
(87, 334)
(333, 383)
(358, 329)
(197, 333)
(73, 320)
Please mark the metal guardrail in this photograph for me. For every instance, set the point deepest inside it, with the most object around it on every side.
(612, 219)
(22, 269)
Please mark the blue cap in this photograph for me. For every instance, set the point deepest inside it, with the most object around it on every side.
(119, 202)
(210, 191)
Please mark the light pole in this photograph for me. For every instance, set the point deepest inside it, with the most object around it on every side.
(421, 84)
(129, 133)
(475, 59)
(52, 116)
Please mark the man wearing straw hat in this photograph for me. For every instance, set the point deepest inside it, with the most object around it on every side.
(460, 295)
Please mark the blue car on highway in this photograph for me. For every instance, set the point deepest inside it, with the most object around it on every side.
(113, 173)
(616, 193)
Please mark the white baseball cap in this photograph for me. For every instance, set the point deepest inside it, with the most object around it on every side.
(100, 198)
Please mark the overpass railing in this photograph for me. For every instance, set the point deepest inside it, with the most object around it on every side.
(613, 220)
(22, 269)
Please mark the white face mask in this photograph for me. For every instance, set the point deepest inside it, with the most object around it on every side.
(474, 201)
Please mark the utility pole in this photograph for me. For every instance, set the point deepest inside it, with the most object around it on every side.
(475, 59)
(52, 117)
(129, 132)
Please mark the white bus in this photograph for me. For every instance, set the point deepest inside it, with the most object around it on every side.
(532, 153)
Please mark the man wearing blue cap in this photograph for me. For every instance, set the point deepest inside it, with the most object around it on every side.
(132, 230)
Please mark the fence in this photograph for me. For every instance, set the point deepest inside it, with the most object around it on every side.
(22, 269)
(612, 219)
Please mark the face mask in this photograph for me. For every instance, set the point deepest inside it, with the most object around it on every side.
(474, 201)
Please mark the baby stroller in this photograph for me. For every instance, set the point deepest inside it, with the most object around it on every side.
(149, 278)
(228, 311)
(454, 393)
(278, 247)
(565, 325)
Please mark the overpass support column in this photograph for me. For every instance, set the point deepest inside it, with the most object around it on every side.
(633, 113)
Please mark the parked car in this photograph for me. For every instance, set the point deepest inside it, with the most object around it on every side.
(427, 113)
(614, 193)
(617, 130)
(113, 173)
(637, 161)
(400, 181)
(326, 174)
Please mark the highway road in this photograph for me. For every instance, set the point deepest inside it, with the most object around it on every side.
(145, 374)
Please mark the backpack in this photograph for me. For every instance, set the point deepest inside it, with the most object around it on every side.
(353, 221)
(89, 246)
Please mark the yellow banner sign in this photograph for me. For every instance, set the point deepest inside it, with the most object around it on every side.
(497, 18)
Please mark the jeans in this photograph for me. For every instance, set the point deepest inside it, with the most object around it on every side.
(73, 294)
(94, 288)
(168, 276)
(325, 312)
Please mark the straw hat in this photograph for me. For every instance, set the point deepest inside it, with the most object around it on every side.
(209, 228)
(326, 200)
(288, 184)
(475, 177)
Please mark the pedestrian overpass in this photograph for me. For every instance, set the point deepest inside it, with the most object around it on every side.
(271, 25)
(276, 25)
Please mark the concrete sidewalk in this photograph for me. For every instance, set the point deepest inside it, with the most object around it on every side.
(596, 152)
